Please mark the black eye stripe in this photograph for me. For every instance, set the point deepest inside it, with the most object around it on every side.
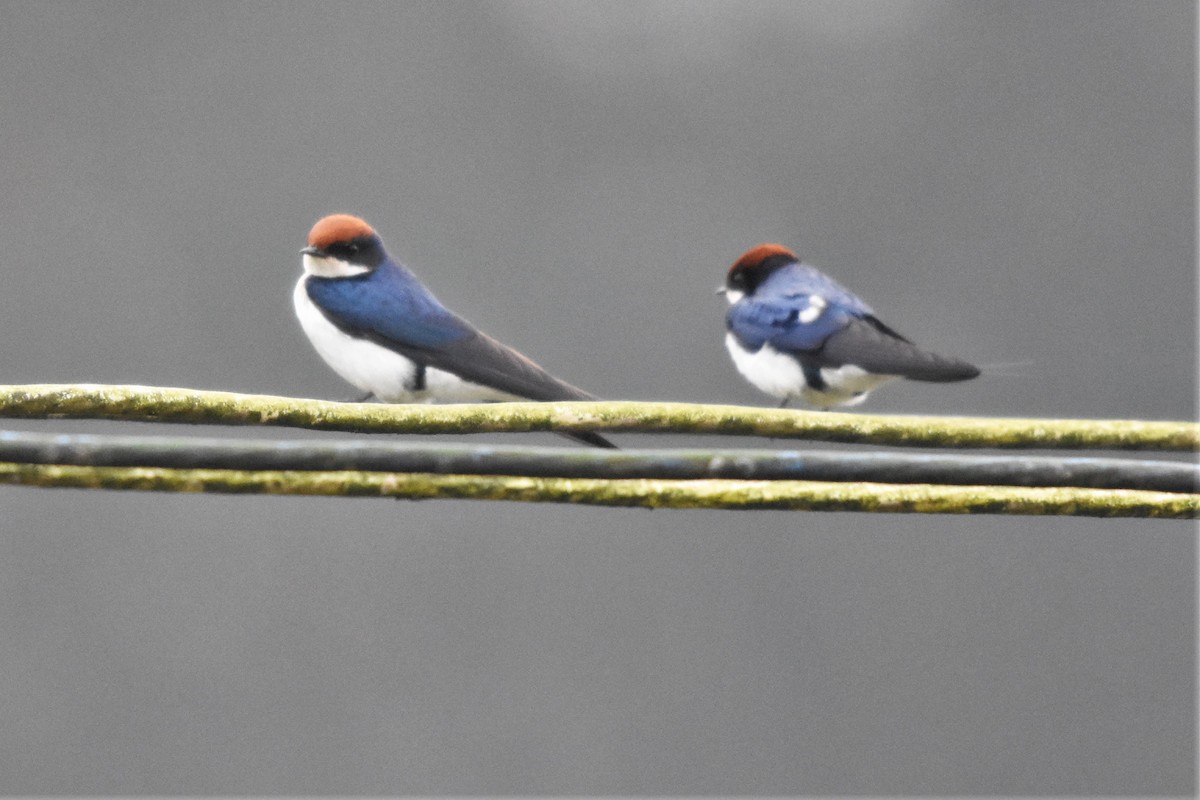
(362, 250)
(748, 276)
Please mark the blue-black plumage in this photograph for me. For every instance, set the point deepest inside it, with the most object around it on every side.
(793, 331)
(382, 330)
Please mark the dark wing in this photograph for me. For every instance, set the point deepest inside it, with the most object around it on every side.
(481, 359)
(388, 303)
(868, 343)
(845, 331)
(779, 311)
(392, 310)
(776, 321)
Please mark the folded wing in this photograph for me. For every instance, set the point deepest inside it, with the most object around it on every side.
(410, 321)
(868, 343)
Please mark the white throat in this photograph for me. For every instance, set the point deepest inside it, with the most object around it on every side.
(326, 267)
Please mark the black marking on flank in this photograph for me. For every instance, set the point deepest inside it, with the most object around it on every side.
(812, 376)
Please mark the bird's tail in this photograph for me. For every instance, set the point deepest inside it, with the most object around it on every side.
(873, 346)
(588, 437)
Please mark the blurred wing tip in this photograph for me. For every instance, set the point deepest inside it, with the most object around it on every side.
(1005, 369)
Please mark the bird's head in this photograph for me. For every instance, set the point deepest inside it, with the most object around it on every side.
(753, 267)
(342, 245)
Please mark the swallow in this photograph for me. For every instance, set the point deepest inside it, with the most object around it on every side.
(794, 332)
(381, 329)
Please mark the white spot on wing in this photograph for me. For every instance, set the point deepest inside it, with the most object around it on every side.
(816, 305)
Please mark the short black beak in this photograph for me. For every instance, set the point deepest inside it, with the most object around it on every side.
(720, 290)
(310, 251)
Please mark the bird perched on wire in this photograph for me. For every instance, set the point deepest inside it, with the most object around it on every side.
(795, 332)
(377, 326)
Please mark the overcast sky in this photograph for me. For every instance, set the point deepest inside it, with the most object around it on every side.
(1011, 182)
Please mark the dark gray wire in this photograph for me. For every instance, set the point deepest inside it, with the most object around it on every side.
(376, 456)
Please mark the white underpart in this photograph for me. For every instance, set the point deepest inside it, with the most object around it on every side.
(374, 368)
(779, 375)
(846, 385)
(446, 387)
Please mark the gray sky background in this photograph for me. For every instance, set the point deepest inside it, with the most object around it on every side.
(1010, 182)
